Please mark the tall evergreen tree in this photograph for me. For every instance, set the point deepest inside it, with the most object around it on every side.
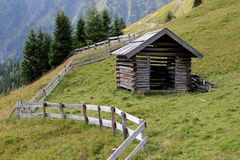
(106, 23)
(29, 64)
(117, 27)
(123, 24)
(94, 27)
(80, 33)
(63, 42)
(44, 45)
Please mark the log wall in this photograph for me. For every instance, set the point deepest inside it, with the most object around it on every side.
(125, 72)
(182, 74)
(142, 73)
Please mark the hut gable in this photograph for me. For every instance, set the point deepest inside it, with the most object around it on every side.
(139, 44)
(154, 62)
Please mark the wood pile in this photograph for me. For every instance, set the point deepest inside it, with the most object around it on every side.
(199, 84)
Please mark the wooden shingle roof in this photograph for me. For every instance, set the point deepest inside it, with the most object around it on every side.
(142, 42)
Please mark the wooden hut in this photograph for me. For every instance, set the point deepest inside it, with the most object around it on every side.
(154, 62)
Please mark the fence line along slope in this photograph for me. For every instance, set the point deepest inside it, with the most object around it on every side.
(129, 134)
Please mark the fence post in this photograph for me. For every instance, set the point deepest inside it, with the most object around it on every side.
(58, 77)
(99, 117)
(62, 110)
(95, 46)
(109, 42)
(144, 148)
(44, 110)
(85, 113)
(124, 128)
(118, 39)
(18, 110)
(44, 93)
(113, 114)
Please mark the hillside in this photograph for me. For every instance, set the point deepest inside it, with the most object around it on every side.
(180, 125)
(157, 19)
(18, 16)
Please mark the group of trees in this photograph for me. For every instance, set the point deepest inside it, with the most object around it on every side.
(97, 27)
(36, 59)
(42, 52)
(9, 76)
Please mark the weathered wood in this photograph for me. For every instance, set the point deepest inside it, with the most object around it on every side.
(85, 113)
(18, 110)
(165, 54)
(99, 117)
(44, 109)
(144, 147)
(61, 106)
(126, 143)
(113, 114)
(124, 128)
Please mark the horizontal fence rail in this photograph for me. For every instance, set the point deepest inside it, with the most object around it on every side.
(106, 42)
(129, 134)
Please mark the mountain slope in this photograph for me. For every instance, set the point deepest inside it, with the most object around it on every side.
(18, 16)
(157, 19)
(180, 125)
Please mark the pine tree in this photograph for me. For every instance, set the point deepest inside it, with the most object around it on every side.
(29, 63)
(94, 27)
(80, 33)
(63, 42)
(106, 22)
(197, 3)
(44, 45)
(123, 24)
(117, 27)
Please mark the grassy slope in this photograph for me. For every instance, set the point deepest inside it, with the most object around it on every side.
(157, 18)
(180, 126)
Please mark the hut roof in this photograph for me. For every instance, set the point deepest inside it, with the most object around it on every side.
(142, 42)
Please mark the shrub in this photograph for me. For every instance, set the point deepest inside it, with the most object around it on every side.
(197, 3)
(169, 16)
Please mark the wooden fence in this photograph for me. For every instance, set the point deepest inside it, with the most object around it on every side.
(110, 40)
(97, 56)
(128, 134)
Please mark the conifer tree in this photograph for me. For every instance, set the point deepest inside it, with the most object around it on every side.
(106, 22)
(123, 24)
(63, 42)
(29, 62)
(80, 33)
(94, 27)
(44, 45)
(117, 27)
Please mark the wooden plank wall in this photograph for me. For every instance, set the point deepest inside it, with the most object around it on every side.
(182, 74)
(143, 73)
(171, 72)
(125, 72)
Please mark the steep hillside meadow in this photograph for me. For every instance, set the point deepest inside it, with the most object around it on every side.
(180, 125)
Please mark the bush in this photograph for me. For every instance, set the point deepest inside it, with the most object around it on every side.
(169, 16)
(197, 3)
